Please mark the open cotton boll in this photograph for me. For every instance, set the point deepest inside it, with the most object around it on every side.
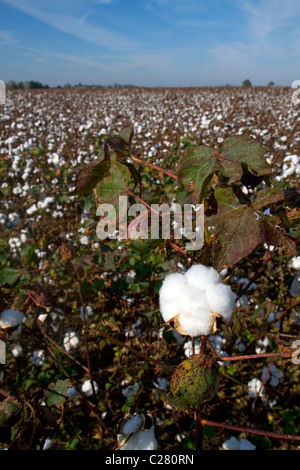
(201, 277)
(172, 290)
(133, 424)
(141, 440)
(221, 300)
(238, 444)
(195, 316)
(10, 318)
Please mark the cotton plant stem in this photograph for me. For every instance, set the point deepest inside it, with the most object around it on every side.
(89, 365)
(155, 167)
(173, 245)
(207, 422)
(198, 428)
(255, 356)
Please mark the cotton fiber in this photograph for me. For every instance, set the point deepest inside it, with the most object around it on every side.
(193, 300)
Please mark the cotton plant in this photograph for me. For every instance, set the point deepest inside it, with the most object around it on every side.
(191, 302)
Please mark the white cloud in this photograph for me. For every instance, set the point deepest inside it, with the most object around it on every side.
(67, 16)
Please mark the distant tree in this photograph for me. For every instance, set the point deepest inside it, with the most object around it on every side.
(33, 84)
(67, 85)
(271, 84)
(12, 85)
(246, 83)
(21, 85)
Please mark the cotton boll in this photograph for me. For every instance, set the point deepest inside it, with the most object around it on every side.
(255, 388)
(87, 388)
(38, 357)
(273, 377)
(141, 440)
(201, 277)
(132, 424)
(17, 350)
(71, 340)
(172, 289)
(238, 444)
(195, 316)
(221, 300)
(11, 318)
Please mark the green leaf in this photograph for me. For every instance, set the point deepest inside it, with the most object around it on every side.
(57, 392)
(10, 276)
(237, 231)
(268, 196)
(115, 184)
(236, 150)
(196, 166)
(275, 235)
(91, 174)
(8, 408)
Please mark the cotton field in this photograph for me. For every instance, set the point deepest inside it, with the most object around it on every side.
(80, 317)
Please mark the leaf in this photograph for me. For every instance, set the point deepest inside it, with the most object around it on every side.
(115, 184)
(268, 196)
(237, 231)
(10, 275)
(91, 174)
(57, 392)
(275, 235)
(196, 166)
(127, 135)
(236, 150)
(8, 408)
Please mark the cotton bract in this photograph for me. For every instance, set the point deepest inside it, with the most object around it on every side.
(193, 300)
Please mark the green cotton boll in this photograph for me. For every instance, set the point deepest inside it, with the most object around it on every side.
(196, 380)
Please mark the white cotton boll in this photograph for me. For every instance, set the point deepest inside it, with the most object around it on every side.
(141, 440)
(201, 277)
(47, 444)
(87, 388)
(72, 393)
(37, 358)
(132, 424)
(221, 300)
(255, 388)
(130, 390)
(89, 312)
(273, 377)
(71, 340)
(261, 345)
(295, 263)
(162, 384)
(17, 350)
(172, 289)
(11, 318)
(188, 348)
(238, 444)
(195, 315)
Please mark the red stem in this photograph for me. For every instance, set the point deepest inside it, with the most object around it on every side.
(249, 430)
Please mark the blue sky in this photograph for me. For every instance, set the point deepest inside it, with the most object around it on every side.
(150, 42)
